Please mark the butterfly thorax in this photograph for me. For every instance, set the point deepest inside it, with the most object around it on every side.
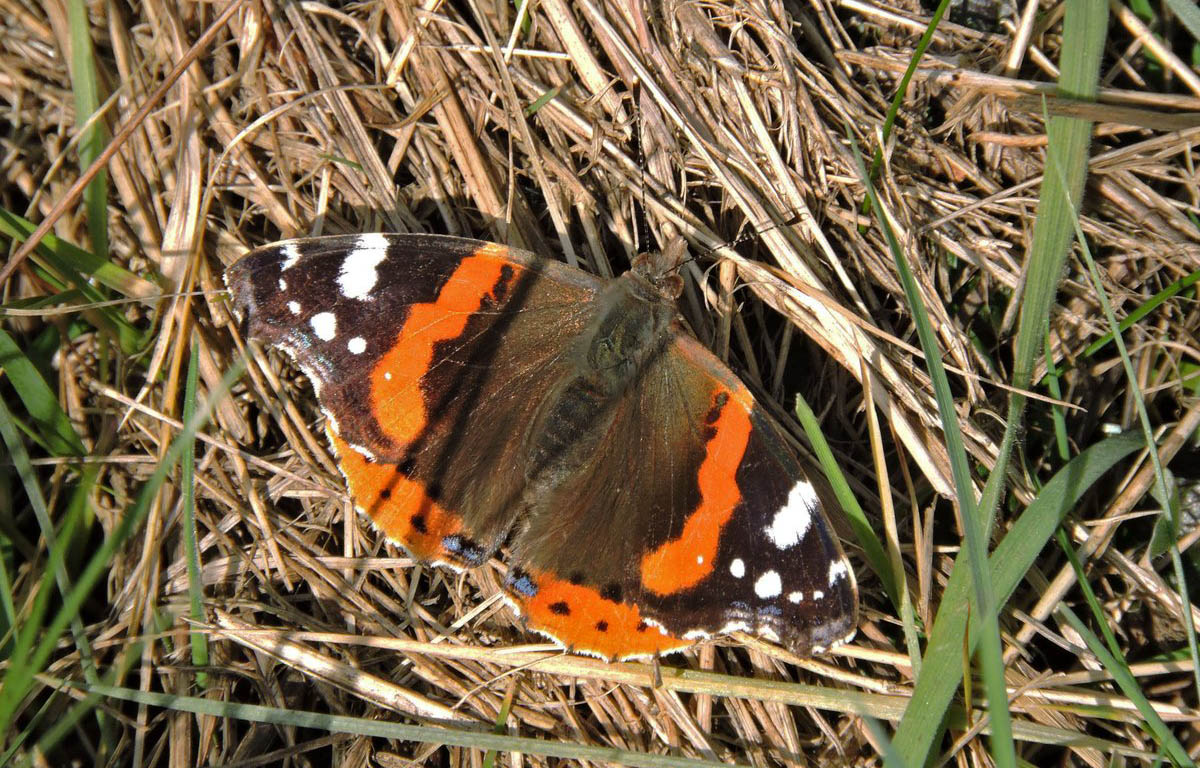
(632, 326)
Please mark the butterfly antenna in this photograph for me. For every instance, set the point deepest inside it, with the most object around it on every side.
(745, 237)
(643, 222)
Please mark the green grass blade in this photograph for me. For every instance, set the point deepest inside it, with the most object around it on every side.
(1110, 656)
(864, 534)
(93, 136)
(30, 622)
(1018, 551)
(975, 529)
(1163, 490)
(67, 723)
(8, 602)
(1145, 308)
(1128, 684)
(18, 679)
(98, 313)
(1114, 660)
(199, 640)
(41, 402)
(1009, 562)
(889, 119)
(1084, 29)
(1188, 13)
(456, 737)
(66, 257)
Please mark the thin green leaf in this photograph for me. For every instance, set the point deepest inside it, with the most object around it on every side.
(93, 136)
(456, 737)
(1113, 661)
(65, 724)
(975, 529)
(1009, 562)
(100, 315)
(1061, 439)
(889, 119)
(1163, 489)
(20, 667)
(1166, 527)
(199, 640)
(1188, 13)
(864, 534)
(1145, 308)
(1084, 29)
(19, 677)
(543, 100)
(65, 257)
(40, 401)
(8, 608)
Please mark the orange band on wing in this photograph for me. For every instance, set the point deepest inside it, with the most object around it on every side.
(582, 620)
(683, 562)
(396, 378)
(397, 505)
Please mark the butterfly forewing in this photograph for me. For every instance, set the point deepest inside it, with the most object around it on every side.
(424, 351)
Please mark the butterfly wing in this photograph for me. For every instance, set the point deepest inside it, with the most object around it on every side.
(401, 337)
(692, 520)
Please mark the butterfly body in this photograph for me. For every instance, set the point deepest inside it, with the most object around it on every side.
(631, 323)
(478, 394)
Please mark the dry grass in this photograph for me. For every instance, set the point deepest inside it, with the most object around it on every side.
(469, 119)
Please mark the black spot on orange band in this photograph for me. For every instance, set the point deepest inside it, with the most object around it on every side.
(582, 619)
(398, 505)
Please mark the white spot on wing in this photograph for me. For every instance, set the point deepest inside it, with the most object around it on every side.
(837, 570)
(282, 284)
(699, 559)
(818, 594)
(734, 626)
(387, 375)
(324, 324)
(358, 275)
(357, 345)
(796, 597)
(291, 254)
(294, 307)
(793, 518)
(768, 585)
(737, 568)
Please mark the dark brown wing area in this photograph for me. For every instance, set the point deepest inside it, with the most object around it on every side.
(694, 520)
(426, 353)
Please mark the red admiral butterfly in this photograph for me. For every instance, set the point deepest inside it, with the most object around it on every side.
(477, 394)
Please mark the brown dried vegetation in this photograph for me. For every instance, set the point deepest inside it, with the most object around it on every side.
(473, 119)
